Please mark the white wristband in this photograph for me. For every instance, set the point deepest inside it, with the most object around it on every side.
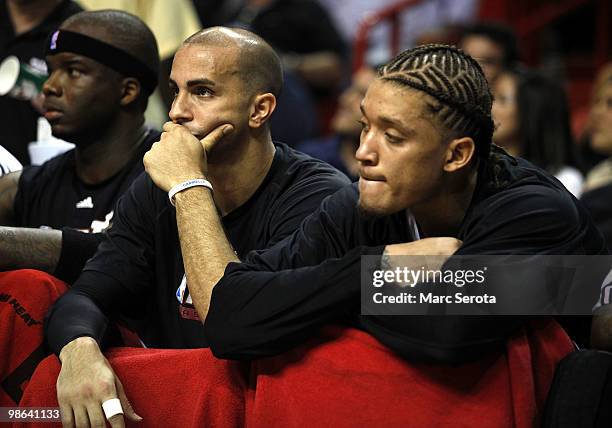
(186, 185)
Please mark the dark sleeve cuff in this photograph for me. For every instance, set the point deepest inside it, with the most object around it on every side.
(73, 316)
(373, 251)
(77, 248)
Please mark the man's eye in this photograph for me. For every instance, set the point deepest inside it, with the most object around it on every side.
(505, 99)
(392, 138)
(203, 92)
(363, 124)
(74, 72)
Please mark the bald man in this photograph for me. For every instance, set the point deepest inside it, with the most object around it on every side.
(217, 188)
(103, 67)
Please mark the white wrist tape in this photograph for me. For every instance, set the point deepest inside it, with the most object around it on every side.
(186, 185)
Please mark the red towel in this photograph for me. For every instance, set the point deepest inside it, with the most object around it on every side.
(25, 297)
(343, 378)
(346, 378)
(168, 388)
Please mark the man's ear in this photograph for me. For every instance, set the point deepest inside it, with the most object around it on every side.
(130, 90)
(459, 153)
(261, 109)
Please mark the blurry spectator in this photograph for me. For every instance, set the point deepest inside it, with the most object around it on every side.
(590, 156)
(531, 115)
(303, 34)
(600, 130)
(493, 45)
(415, 21)
(598, 194)
(295, 118)
(24, 28)
(8, 163)
(339, 149)
(598, 187)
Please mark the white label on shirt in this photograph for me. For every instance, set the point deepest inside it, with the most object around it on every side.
(85, 203)
(182, 290)
(98, 226)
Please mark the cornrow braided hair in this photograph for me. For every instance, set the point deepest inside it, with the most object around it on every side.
(456, 81)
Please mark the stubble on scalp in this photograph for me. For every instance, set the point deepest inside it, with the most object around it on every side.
(257, 65)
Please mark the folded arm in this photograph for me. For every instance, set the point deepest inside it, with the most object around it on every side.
(277, 297)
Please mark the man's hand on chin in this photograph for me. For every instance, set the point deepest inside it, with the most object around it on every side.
(179, 156)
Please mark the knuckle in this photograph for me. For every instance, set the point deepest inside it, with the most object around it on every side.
(66, 417)
(67, 421)
(106, 387)
(63, 399)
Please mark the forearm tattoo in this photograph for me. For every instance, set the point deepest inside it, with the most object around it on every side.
(29, 248)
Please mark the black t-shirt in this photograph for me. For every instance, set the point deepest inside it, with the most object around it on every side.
(19, 119)
(278, 297)
(299, 26)
(52, 195)
(138, 267)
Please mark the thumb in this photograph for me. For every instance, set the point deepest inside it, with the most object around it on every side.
(125, 403)
(215, 135)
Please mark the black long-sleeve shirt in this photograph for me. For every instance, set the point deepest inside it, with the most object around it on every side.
(278, 297)
(137, 271)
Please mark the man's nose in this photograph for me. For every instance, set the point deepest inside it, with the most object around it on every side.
(52, 85)
(367, 152)
(180, 112)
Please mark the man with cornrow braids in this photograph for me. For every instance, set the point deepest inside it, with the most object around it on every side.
(431, 183)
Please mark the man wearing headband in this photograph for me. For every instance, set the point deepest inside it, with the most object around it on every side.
(217, 187)
(59, 209)
(103, 67)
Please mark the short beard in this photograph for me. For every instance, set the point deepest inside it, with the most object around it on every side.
(368, 213)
